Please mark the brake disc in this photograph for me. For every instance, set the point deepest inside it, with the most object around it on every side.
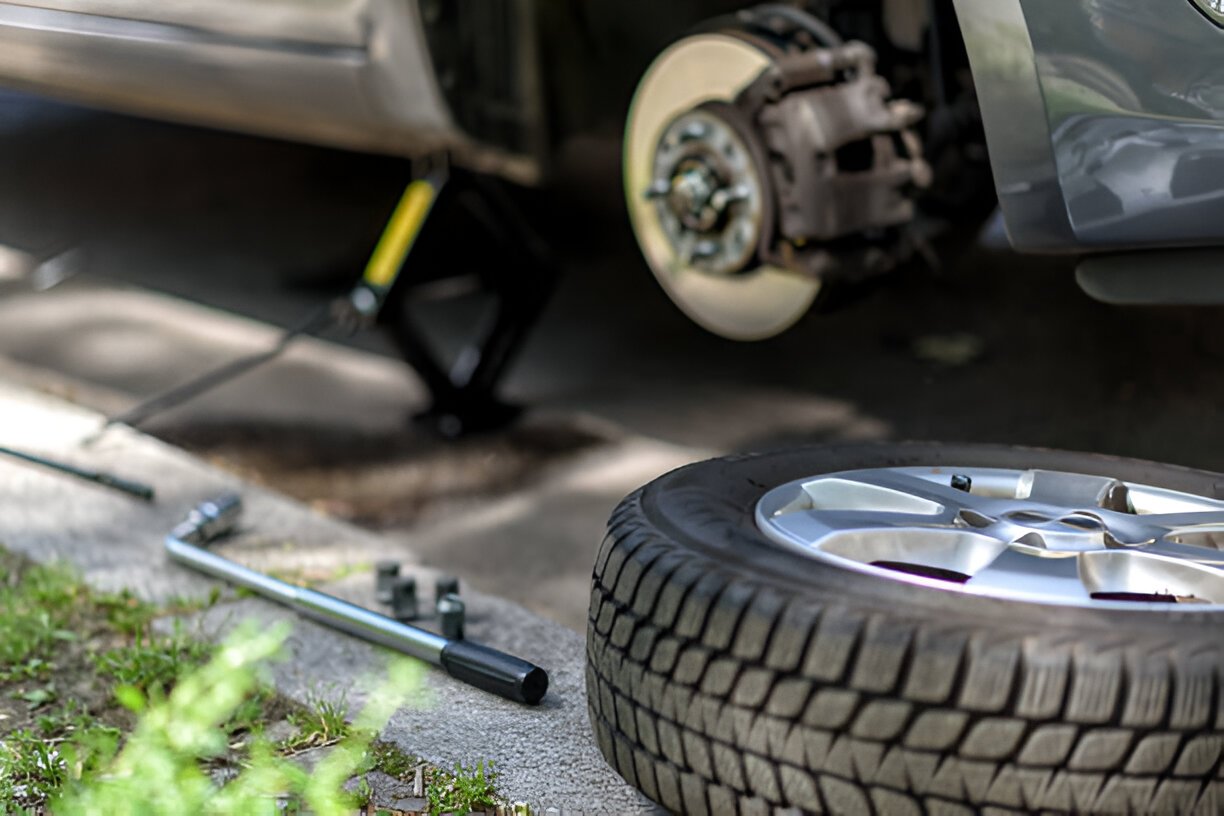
(698, 234)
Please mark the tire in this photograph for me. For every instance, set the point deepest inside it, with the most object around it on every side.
(726, 674)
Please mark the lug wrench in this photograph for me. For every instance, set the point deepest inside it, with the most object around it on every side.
(480, 666)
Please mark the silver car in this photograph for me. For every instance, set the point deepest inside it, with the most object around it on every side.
(771, 152)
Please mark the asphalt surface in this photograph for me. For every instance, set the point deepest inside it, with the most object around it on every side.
(263, 228)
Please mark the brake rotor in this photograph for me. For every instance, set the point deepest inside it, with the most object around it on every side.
(705, 255)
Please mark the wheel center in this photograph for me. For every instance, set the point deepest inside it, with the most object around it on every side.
(1056, 531)
(708, 192)
(692, 196)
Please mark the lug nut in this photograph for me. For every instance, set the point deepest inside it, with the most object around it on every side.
(445, 585)
(961, 482)
(385, 574)
(404, 599)
(451, 613)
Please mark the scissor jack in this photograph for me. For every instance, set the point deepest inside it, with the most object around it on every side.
(463, 394)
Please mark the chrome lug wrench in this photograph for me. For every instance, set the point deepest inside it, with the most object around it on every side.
(480, 666)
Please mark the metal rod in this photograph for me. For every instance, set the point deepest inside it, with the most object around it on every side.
(172, 398)
(481, 666)
(363, 303)
(132, 488)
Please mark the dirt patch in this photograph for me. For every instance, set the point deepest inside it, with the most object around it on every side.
(383, 481)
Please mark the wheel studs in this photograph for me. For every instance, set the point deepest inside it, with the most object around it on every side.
(961, 482)
(693, 131)
(659, 188)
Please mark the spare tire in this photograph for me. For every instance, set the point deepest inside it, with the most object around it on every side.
(731, 670)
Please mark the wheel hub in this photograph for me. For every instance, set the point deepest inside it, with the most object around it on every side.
(743, 300)
(690, 193)
(708, 192)
(1042, 536)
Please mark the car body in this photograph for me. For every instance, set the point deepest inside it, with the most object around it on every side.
(1105, 119)
(482, 78)
(354, 73)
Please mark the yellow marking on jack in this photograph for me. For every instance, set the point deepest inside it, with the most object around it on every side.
(401, 233)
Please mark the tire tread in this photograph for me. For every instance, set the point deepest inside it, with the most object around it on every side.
(722, 693)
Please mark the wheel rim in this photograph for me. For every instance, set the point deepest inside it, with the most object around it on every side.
(750, 304)
(1032, 535)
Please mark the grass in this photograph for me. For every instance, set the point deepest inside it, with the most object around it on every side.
(31, 770)
(463, 790)
(393, 761)
(65, 652)
(101, 714)
(151, 664)
(319, 723)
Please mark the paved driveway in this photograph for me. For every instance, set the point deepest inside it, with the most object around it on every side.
(989, 348)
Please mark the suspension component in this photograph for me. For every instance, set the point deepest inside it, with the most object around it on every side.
(784, 166)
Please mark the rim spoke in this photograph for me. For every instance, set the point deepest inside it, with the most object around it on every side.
(1015, 572)
(1070, 489)
(1186, 552)
(869, 496)
(813, 527)
(1185, 521)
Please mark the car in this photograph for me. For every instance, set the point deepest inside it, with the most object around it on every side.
(840, 136)
(841, 628)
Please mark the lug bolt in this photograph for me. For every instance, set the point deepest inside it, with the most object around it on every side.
(961, 482)
(658, 188)
(729, 195)
(404, 599)
(693, 131)
(451, 612)
(445, 585)
(386, 572)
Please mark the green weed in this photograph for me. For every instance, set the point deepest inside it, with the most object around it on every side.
(320, 722)
(37, 605)
(464, 790)
(31, 768)
(161, 768)
(151, 664)
(390, 760)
